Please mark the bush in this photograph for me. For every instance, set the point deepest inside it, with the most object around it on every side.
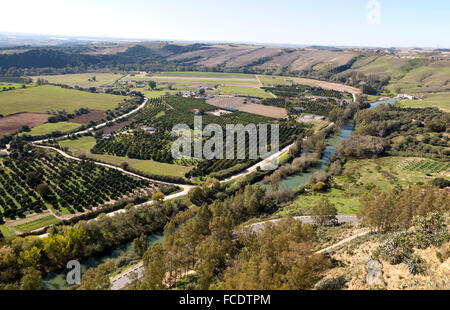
(430, 230)
(397, 249)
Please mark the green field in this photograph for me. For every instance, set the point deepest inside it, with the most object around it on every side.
(243, 91)
(81, 79)
(85, 144)
(439, 100)
(360, 176)
(48, 128)
(36, 224)
(51, 98)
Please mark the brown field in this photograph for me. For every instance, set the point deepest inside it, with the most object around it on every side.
(227, 102)
(13, 123)
(207, 53)
(327, 85)
(226, 56)
(115, 127)
(281, 61)
(238, 103)
(310, 58)
(94, 115)
(248, 58)
(263, 110)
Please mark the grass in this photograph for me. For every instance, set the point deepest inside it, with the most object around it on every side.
(243, 91)
(209, 75)
(36, 224)
(6, 231)
(83, 146)
(438, 100)
(81, 79)
(191, 81)
(48, 128)
(46, 98)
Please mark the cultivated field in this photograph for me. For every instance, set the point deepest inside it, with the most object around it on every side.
(51, 98)
(439, 100)
(360, 176)
(327, 85)
(83, 146)
(13, 123)
(81, 79)
(47, 128)
(93, 115)
(238, 103)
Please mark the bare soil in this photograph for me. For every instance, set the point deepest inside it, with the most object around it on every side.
(94, 115)
(13, 123)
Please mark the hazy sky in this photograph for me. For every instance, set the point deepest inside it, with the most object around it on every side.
(326, 22)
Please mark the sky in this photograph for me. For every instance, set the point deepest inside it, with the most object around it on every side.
(382, 23)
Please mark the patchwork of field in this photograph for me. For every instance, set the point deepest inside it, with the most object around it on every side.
(82, 146)
(81, 79)
(47, 98)
(13, 123)
(48, 128)
(238, 103)
(438, 100)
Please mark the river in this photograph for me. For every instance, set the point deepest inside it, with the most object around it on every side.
(57, 281)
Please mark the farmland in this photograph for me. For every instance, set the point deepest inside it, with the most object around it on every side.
(244, 91)
(438, 100)
(360, 176)
(51, 98)
(82, 146)
(48, 128)
(42, 180)
(81, 79)
(13, 123)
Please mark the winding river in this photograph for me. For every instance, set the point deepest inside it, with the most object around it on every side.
(57, 281)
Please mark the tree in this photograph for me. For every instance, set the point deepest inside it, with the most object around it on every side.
(158, 196)
(31, 279)
(155, 268)
(29, 258)
(196, 196)
(43, 190)
(324, 212)
(152, 84)
(140, 245)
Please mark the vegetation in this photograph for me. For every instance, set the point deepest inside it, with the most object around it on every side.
(32, 182)
(51, 98)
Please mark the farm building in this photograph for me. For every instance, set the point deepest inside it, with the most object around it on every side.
(194, 111)
(405, 96)
(107, 136)
(148, 130)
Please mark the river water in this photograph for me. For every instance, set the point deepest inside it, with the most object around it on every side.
(57, 281)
